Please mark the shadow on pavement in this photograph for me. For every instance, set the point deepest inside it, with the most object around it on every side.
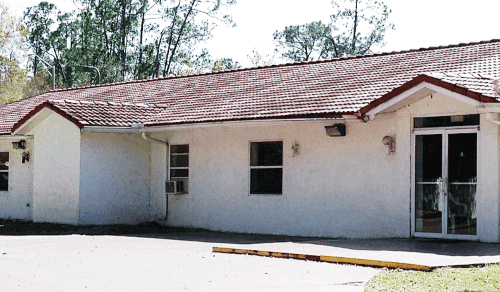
(431, 246)
(154, 230)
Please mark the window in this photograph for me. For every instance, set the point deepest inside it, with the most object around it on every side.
(266, 167)
(446, 121)
(179, 166)
(4, 171)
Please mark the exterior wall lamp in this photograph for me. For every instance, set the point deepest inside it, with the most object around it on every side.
(295, 149)
(337, 130)
(19, 145)
(25, 156)
(22, 145)
(390, 144)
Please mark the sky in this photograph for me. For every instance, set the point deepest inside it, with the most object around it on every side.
(419, 24)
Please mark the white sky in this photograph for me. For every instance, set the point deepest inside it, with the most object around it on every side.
(422, 23)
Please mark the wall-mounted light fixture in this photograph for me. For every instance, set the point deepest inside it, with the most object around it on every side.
(25, 156)
(390, 144)
(19, 145)
(295, 149)
(337, 130)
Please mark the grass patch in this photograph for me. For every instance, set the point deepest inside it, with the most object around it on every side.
(470, 279)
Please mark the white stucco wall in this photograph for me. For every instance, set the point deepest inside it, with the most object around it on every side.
(56, 178)
(488, 181)
(335, 187)
(158, 204)
(115, 179)
(16, 203)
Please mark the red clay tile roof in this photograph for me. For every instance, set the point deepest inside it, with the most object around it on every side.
(97, 113)
(337, 86)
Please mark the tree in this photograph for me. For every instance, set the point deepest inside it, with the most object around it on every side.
(257, 58)
(14, 82)
(303, 42)
(125, 39)
(225, 64)
(356, 28)
(362, 24)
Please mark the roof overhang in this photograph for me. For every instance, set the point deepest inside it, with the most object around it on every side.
(418, 88)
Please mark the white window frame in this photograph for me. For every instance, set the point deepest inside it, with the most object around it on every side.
(170, 167)
(6, 171)
(263, 167)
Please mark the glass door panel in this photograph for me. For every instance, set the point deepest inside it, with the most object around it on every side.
(462, 183)
(428, 183)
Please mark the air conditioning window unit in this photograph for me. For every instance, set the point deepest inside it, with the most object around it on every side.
(174, 187)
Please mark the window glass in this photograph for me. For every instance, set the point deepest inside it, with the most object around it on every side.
(266, 153)
(179, 149)
(179, 166)
(179, 160)
(446, 121)
(179, 173)
(4, 160)
(266, 181)
(266, 167)
(4, 171)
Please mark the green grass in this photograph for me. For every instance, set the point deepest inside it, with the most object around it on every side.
(485, 278)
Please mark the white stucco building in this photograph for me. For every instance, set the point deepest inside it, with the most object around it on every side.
(397, 144)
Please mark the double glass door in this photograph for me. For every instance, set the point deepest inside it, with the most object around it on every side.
(445, 173)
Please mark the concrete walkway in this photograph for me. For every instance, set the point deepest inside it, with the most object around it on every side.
(411, 254)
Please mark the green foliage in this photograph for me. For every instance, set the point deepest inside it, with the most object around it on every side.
(225, 64)
(447, 279)
(359, 25)
(14, 82)
(356, 27)
(7, 26)
(257, 58)
(303, 42)
(125, 39)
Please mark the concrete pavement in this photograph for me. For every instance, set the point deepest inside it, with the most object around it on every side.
(185, 261)
(166, 262)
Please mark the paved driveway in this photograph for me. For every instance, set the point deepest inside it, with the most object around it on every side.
(168, 262)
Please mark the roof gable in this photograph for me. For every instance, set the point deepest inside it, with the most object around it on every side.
(471, 89)
(91, 114)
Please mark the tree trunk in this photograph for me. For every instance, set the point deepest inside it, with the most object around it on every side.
(123, 22)
(180, 34)
(171, 36)
(139, 65)
(355, 27)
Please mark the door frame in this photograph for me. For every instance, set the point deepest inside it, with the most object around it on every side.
(445, 131)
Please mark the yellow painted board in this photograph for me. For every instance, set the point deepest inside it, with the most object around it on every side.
(329, 259)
